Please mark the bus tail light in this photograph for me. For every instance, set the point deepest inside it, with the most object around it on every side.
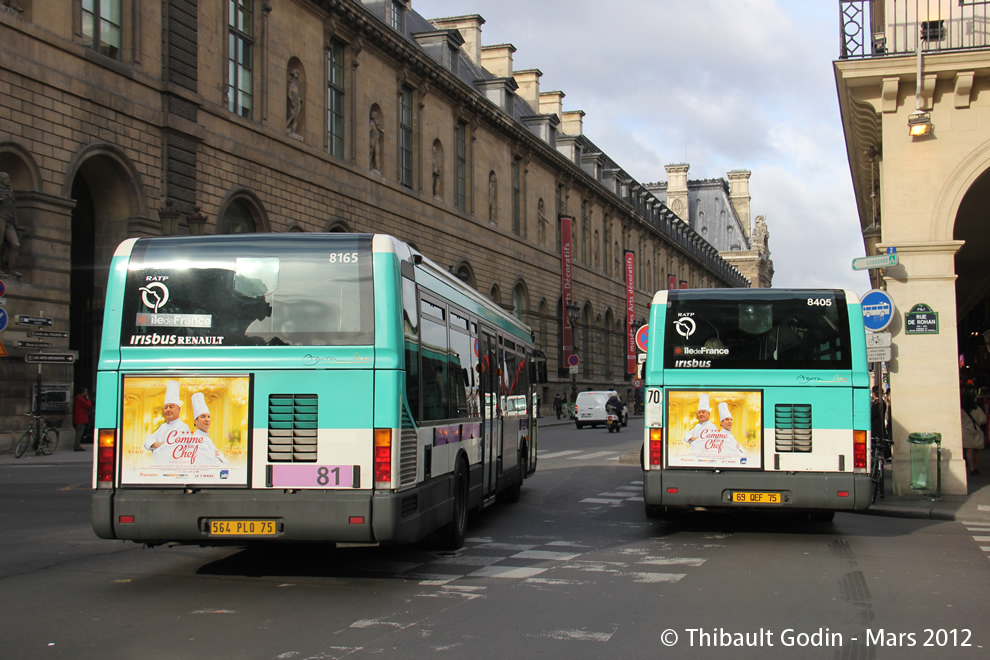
(859, 450)
(383, 458)
(656, 447)
(106, 440)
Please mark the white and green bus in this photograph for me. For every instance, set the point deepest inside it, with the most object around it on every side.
(303, 387)
(756, 398)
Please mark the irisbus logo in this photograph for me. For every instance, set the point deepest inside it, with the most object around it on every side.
(692, 364)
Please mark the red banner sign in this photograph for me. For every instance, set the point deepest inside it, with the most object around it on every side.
(566, 284)
(672, 282)
(630, 312)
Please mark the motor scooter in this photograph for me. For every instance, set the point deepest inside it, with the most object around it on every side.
(612, 421)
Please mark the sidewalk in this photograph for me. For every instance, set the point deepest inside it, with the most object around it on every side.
(974, 507)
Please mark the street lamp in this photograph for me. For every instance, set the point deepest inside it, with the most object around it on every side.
(573, 312)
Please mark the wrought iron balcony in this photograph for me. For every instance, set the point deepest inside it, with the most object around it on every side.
(881, 28)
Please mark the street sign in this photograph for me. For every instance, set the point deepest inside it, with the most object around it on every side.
(878, 340)
(878, 310)
(3, 319)
(642, 335)
(573, 369)
(33, 320)
(55, 334)
(921, 320)
(878, 354)
(46, 358)
(879, 261)
(891, 250)
(3, 288)
(3, 351)
(573, 360)
(34, 344)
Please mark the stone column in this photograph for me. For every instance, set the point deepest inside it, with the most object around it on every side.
(924, 374)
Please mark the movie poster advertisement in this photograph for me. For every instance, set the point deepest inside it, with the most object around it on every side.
(185, 430)
(715, 429)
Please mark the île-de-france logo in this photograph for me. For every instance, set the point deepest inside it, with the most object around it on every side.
(685, 326)
(154, 296)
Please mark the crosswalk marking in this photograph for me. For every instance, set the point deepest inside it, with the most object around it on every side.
(597, 454)
(558, 454)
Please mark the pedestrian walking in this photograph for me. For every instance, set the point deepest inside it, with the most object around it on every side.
(81, 405)
(558, 404)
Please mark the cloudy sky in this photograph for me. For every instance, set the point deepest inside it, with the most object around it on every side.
(717, 84)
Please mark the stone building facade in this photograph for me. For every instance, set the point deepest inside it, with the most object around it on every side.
(719, 210)
(332, 115)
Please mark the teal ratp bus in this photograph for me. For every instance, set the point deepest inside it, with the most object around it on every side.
(756, 398)
(303, 387)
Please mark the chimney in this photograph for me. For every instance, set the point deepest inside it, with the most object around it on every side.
(677, 190)
(470, 29)
(529, 86)
(572, 122)
(552, 103)
(739, 196)
(498, 59)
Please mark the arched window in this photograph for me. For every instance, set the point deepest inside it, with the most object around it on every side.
(238, 219)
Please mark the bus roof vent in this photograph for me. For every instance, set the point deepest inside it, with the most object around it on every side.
(292, 428)
(792, 427)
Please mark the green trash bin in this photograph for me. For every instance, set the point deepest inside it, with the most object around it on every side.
(921, 459)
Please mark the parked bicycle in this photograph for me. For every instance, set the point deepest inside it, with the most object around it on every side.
(879, 450)
(44, 442)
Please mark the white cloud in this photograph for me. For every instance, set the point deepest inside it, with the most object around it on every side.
(746, 84)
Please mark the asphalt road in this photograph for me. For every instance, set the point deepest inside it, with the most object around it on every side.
(573, 570)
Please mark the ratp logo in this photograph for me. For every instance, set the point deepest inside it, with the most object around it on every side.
(685, 326)
(154, 296)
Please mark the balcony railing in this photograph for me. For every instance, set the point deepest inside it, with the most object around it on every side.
(878, 28)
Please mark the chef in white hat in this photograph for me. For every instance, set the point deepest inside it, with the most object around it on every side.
(725, 418)
(207, 453)
(158, 442)
(704, 420)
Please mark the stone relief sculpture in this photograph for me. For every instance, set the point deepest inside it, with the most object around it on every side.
(437, 173)
(377, 140)
(492, 197)
(10, 242)
(542, 222)
(295, 102)
(761, 235)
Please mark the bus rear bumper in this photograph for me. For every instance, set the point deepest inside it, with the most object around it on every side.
(175, 516)
(806, 490)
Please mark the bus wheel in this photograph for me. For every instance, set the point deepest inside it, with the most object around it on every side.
(453, 537)
(511, 494)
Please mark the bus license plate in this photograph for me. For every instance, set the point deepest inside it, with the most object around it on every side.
(242, 528)
(746, 497)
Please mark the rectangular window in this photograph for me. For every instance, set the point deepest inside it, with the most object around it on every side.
(405, 138)
(436, 363)
(460, 137)
(516, 193)
(335, 98)
(560, 211)
(398, 17)
(101, 26)
(240, 52)
(715, 330)
(248, 291)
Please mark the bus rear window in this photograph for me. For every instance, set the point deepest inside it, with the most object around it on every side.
(243, 291)
(782, 330)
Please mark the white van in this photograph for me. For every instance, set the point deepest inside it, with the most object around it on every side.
(589, 409)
